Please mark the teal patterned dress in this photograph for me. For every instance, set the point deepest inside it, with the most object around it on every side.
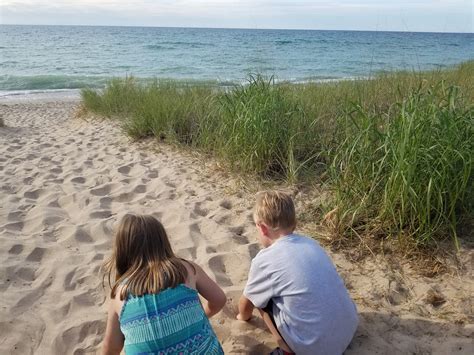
(170, 322)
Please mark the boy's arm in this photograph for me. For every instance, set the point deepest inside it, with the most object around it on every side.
(258, 291)
(245, 309)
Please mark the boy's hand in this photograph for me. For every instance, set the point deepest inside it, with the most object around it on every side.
(245, 309)
(240, 317)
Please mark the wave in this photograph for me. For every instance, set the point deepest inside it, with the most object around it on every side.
(155, 46)
(50, 82)
(283, 42)
(11, 84)
(177, 44)
(28, 95)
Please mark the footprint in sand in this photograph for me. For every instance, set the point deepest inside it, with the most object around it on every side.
(125, 169)
(28, 180)
(36, 255)
(226, 204)
(187, 253)
(78, 180)
(101, 191)
(34, 194)
(170, 184)
(140, 189)
(15, 215)
(26, 273)
(14, 226)
(70, 283)
(211, 250)
(16, 249)
(153, 175)
(203, 212)
(238, 236)
(253, 248)
(56, 170)
(98, 257)
(105, 202)
(227, 269)
(82, 236)
(124, 197)
(86, 335)
(13, 148)
(100, 214)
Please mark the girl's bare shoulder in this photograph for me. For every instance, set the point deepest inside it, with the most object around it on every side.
(192, 270)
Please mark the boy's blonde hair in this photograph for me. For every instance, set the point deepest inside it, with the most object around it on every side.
(276, 209)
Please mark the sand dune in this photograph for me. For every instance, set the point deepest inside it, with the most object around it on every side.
(64, 183)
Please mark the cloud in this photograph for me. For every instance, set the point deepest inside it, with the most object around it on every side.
(424, 15)
(269, 4)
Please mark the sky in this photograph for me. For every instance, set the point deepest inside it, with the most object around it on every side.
(401, 15)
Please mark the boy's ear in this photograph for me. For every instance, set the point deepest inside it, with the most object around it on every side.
(263, 228)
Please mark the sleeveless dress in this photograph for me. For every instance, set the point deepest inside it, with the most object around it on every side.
(170, 322)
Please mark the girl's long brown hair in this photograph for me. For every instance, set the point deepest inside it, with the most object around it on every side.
(142, 260)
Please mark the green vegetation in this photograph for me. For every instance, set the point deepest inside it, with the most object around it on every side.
(409, 170)
(396, 150)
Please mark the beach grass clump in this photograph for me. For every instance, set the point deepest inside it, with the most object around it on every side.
(261, 129)
(120, 97)
(164, 109)
(324, 102)
(409, 171)
(170, 111)
(395, 151)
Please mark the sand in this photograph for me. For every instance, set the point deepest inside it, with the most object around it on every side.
(66, 181)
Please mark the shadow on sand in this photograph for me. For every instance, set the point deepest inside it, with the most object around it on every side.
(383, 333)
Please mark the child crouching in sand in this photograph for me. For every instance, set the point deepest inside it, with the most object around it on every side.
(295, 286)
(154, 306)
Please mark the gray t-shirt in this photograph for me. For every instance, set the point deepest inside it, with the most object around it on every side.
(312, 308)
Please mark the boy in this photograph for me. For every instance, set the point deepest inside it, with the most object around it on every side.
(295, 286)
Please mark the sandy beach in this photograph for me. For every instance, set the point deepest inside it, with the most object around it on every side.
(65, 182)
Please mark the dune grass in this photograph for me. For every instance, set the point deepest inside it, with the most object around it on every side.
(260, 128)
(395, 150)
(407, 171)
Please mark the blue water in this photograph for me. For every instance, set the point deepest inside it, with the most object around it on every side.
(68, 57)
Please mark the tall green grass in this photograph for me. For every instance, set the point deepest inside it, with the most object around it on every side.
(121, 97)
(407, 171)
(169, 111)
(164, 109)
(396, 150)
(260, 128)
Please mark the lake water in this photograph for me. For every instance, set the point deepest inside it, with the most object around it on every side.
(42, 58)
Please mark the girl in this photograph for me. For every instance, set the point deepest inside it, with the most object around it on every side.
(154, 306)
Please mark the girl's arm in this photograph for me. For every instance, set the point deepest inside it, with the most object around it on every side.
(208, 289)
(113, 340)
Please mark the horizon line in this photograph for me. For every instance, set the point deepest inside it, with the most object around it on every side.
(235, 28)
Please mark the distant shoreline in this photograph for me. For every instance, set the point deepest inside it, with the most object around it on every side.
(236, 28)
(67, 93)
